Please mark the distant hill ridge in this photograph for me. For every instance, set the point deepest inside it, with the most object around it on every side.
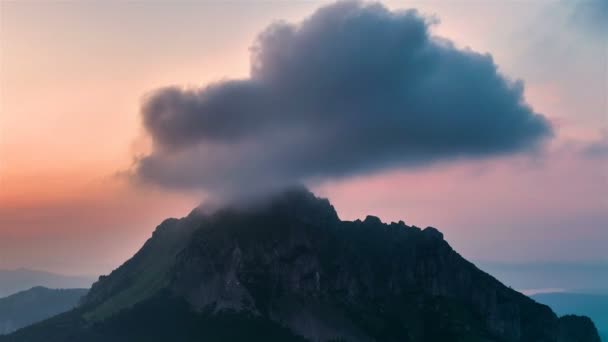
(34, 305)
(288, 269)
(13, 281)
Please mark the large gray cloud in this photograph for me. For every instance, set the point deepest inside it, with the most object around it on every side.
(354, 88)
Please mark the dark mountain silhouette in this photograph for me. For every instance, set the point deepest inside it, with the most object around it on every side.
(34, 305)
(13, 281)
(288, 269)
(589, 304)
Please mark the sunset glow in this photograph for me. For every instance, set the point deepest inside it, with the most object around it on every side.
(73, 77)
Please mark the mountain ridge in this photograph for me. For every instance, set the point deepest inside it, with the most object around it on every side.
(36, 304)
(21, 279)
(592, 305)
(288, 267)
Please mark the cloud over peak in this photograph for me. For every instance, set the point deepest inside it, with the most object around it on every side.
(354, 88)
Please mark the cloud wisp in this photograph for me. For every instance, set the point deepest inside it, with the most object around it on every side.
(597, 149)
(591, 15)
(352, 89)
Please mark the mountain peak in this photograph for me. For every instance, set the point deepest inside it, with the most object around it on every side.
(370, 219)
(287, 264)
(295, 200)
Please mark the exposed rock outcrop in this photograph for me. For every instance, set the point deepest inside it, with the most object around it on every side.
(292, 263)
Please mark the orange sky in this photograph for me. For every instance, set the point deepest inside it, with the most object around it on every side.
(72, 76)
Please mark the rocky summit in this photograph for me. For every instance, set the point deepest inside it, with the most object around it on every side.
(288, 269)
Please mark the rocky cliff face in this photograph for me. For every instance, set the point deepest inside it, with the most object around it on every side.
(292, 263)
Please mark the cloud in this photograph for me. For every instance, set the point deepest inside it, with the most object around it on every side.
(592, 15)
(354, 88)
(597, 149)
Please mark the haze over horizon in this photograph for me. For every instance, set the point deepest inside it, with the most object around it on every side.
(91, 136)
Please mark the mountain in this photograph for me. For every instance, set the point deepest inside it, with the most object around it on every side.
(593, 305)
(13, 281)
(288, 269)
(34, 305)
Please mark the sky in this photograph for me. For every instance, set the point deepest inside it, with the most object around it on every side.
(90, 161)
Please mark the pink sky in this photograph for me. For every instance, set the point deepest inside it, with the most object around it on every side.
(73, 75)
